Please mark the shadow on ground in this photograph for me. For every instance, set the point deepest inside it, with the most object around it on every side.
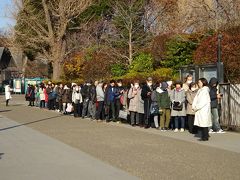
(33, 122)
(1, 154)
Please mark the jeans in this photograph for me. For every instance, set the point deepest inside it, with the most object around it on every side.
(92, 109)
(100, 110)
(111, 111)
(215, 119)
(85, 107)
(77, 109)
(182, 121)
(118, 107)
(42, 104)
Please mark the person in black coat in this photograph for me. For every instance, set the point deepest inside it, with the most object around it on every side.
(85, 91)
(147, 90)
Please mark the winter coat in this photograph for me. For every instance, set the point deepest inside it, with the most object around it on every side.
(136, 104)
(8, 92)
(163, 99)
(201, 106)
(145, 90)
(41, 94)
(59, 94)
(93, 93)
(190, 97)
(85, 91)
(76, 97)
(178, 96)
(213, 92)
(67, 96)
(46, 95)
(100, 93)
(118, 93)
(111, 94)
(31, 93)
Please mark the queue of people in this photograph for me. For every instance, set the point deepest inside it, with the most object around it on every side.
(164, 105)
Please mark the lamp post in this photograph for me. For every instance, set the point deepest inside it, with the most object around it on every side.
(220, 69)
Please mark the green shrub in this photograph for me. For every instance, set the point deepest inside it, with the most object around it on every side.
(118, 70)
(142, 63)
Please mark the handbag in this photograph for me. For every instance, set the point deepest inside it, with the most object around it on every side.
(177, 106)
(123, 114)
(69, 108)
(154, 109)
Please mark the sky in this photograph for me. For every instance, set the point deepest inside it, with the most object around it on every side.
(5, 6)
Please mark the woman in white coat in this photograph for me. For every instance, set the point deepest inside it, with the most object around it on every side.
(7, 94)
(202, 108)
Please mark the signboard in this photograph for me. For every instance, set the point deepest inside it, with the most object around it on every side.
(17, 86)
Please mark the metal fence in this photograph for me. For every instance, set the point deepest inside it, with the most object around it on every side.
(230, 105)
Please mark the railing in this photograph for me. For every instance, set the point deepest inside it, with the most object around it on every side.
(230, 105)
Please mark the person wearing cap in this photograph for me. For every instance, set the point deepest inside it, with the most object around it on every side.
(178, 98)
(146, 93)
(164, 104)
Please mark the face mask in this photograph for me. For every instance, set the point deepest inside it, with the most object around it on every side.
(193, 89)
(189, 82)
(149, 84)
(136, 86)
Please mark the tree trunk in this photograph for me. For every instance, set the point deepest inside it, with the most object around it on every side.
(130, 48)
(57, 70)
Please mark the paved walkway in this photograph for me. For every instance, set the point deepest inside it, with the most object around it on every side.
(148, 154)
(29, 155)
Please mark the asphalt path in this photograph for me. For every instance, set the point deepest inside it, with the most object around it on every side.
(147, 154)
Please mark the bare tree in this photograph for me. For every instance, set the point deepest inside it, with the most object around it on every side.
(43, 26)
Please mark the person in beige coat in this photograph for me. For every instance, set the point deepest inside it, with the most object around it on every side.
(202, 108)
(136, 104)
(190, 95)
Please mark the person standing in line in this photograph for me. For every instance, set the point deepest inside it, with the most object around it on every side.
(77, 100)
(164, 104)
(92, 101)
(120, 91)
(100, 101)
(85, 91)
(202, 108)
(178, 98)
(31, 95)
(42, 95)
(46, 95)
(146, 96)
(110, 97)
(66, 97)
(8, 94)
(190, 94)
(59, 98)
(136, 104)
(188, 81)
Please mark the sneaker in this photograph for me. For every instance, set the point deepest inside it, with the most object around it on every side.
(211, 131)
(175, 130)
(220, 131)
(162, 129)
(181, 130)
